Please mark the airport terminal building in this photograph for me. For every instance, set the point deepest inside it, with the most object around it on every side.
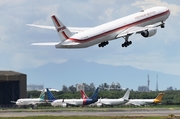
(12, 86)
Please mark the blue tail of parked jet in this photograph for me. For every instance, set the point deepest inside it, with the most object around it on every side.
(95, 95)
(92, 99)
(51, 98)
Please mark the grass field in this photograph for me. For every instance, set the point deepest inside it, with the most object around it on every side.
(89, 117)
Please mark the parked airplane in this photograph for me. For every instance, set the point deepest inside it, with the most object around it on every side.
(33, 102)
(76, 102)
(142, 102)
(143, 22)
(113, 102)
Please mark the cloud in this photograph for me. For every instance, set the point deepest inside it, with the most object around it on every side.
(144, 4)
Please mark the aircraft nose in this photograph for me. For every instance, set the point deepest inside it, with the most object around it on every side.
(17, 103)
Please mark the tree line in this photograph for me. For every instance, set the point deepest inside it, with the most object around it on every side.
(113, 91)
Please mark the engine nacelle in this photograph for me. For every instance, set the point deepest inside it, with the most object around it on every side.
(149, 33)
(64, 105)
(99, 105)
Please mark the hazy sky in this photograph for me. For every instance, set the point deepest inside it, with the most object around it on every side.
(158, 53)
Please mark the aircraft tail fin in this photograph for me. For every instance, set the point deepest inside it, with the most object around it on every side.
(126, 95)
(83, 95)
(42, 95)
(95, 95)
(159, 98)
(62, 30)
(51, 97)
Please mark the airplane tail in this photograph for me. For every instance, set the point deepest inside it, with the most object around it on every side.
(62, 30)
(159, 98)
(83, 95)
(51, 97)
(126, 95)
(42, 95)
(95, 95)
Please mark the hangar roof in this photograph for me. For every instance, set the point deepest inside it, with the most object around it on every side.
(2, 73)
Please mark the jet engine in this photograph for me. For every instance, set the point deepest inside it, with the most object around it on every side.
(149, 32)
(99, 105)
(64, 105)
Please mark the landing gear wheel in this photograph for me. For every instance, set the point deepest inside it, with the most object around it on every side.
(125, 44)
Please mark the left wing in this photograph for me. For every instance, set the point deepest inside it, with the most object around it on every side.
(72, 29)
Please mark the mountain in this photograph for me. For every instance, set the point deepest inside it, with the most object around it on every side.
(73, 72)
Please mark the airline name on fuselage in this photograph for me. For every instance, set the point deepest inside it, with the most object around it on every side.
(145, 15)
(61, 28)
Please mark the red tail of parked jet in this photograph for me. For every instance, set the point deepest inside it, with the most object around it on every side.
(83, 95)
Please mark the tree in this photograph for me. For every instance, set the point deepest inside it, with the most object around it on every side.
(118, 86)
(104, 86)
(72, 88)
(92, 87)
(86, 87)
(64, 88)
(113, 86)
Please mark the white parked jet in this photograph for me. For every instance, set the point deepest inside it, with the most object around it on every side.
(143, 22)
(113, 102)
(142, 102)
(33, 102)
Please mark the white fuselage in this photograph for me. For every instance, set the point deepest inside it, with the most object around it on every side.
(140, 102)
(110, 30)
(111, 102)
(31, 101)
(72, 102)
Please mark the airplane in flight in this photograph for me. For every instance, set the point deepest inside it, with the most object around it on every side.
(144, 22)
(142, 102)
(76, 102)
(33, 102)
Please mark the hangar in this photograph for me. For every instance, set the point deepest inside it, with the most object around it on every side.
(12, 86)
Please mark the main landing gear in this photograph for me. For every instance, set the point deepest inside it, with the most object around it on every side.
(163, 25)
(126, 43)
(103, 44)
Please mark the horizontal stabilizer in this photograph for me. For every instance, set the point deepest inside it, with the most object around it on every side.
(72, 29)
(46, 44)
(41, 26)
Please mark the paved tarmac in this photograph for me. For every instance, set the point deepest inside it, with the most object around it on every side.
(92, 113)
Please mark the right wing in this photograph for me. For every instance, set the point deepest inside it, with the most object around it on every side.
(136, 29)
(72, 29)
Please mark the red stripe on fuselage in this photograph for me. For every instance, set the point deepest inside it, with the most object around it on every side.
(117, 29)
(56, 21)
